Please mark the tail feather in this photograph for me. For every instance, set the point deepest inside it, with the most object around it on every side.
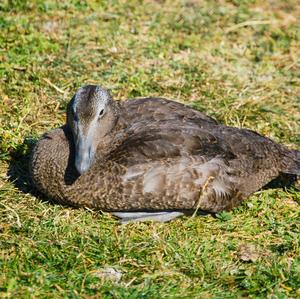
(293, 166)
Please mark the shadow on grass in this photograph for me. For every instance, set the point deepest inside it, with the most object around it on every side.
(18, 171)
(283, 181)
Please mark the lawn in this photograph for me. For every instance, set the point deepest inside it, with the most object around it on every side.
(239, 61)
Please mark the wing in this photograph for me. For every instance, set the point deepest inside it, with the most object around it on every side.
(158, 140)
(160, 109)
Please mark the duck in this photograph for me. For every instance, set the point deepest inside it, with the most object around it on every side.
(152, 159)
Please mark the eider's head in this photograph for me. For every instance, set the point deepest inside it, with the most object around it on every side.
(90, 116)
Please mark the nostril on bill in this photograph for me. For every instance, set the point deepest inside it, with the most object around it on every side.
(90, 152)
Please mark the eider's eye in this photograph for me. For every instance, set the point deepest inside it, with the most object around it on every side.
(101, 113)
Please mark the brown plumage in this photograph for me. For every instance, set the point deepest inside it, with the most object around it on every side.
(152, 154)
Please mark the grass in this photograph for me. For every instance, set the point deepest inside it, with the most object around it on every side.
(236, 60)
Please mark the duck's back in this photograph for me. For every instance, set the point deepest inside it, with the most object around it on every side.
(160, 109)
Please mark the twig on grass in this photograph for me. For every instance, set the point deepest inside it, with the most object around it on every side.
(54, 86)
(14, 212)
(203, 192)
(249, 23)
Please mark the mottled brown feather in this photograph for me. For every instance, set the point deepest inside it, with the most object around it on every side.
(161, 155)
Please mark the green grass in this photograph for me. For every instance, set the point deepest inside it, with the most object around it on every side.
(236, 60)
